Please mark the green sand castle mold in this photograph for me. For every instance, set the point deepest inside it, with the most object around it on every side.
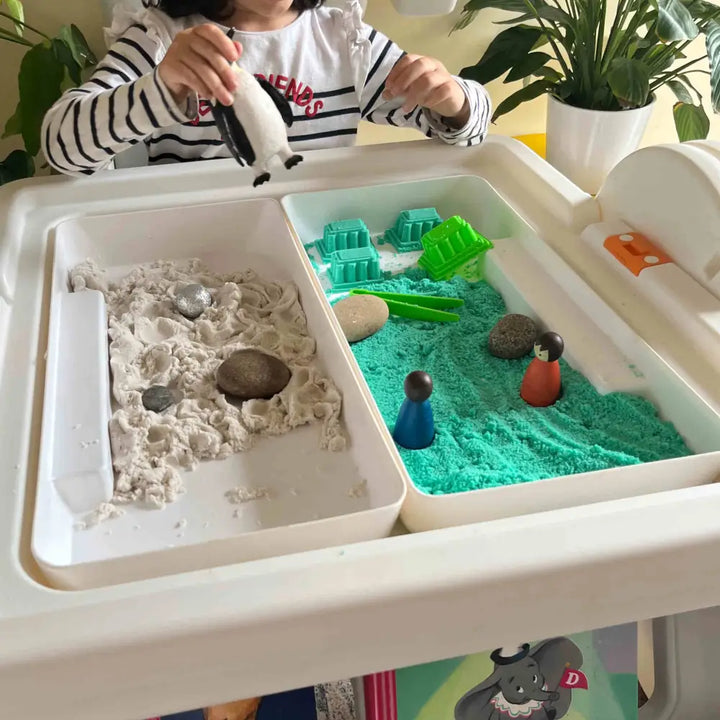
(343, 235)
(358, 266)
(487, 436)
(449, 246)
(407, 233)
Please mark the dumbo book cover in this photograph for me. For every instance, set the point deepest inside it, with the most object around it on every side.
(590, 676)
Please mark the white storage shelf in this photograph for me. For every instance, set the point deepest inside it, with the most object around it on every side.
(185, 640)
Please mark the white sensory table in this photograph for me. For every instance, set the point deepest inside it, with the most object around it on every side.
(169, 643)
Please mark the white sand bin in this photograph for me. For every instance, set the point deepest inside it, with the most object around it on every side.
(152, 344)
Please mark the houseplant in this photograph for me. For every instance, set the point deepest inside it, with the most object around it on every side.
(49, 67)
(601, 71)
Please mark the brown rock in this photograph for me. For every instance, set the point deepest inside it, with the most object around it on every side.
(361, 316)
(512, 337)
(251, 374)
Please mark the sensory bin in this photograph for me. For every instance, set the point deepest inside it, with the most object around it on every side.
(487, 435)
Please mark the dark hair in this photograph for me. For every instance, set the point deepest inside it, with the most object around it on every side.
(215, 10)
(553, 344)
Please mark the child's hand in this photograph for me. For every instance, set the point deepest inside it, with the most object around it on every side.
(426, 82)
(198, 62)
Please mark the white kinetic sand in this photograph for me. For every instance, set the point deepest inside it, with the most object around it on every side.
(152, 344)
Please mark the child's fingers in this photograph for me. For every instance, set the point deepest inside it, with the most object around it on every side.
(205, 81)
(224, 45)
(419, 91)
(399, 66)
(410, 74)
(437, 96)
(206, 53)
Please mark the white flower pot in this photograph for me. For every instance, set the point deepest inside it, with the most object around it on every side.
(584, 145)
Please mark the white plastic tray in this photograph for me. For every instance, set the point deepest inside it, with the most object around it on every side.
(193, 639)
(314, 500)
(535, 281)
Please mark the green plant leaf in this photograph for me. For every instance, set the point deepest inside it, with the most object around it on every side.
(549, 74)
(546, 12)
(527, 66)
(41, 75)
(675, 22)
(472, 8)
(14, 125)
(691, 122)
(529, 92)
(15, 8)
(518, 6)
(16, 166)
(506, 50)
(712, 43)
(76, 42)
(681, 92)
(64, 55)
(689, 84)
(629, 81)
(704, 11)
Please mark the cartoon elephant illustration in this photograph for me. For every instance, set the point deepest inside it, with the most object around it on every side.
(525, 684)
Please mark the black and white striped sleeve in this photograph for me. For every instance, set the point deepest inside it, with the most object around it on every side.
(123, 102)
(374, 108)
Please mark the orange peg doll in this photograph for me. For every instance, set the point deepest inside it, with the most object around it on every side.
(541, 384)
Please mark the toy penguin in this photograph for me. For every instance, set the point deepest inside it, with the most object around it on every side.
(541, 384)
(415, 427)
(253, 128)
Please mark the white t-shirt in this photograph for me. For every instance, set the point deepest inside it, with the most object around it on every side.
(328, 63)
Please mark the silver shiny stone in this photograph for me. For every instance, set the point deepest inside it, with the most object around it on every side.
(192, 300)
(158, 398)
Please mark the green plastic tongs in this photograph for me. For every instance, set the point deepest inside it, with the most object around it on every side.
(417, 307)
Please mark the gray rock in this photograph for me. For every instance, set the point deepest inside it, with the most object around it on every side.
(158, 398)
(251, 374)
(512, 337)
(361, 316)
(192, 300)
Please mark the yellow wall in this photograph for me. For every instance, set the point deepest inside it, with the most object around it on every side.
(428, 36)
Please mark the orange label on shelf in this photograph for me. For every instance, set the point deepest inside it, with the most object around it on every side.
(635, 252)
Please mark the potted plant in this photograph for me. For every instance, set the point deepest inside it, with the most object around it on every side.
(601, 71)
(50, 66)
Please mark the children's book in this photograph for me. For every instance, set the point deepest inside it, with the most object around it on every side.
(589, 676)
(332, 701)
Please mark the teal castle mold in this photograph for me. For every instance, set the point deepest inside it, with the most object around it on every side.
(410, 227)
(343, 235)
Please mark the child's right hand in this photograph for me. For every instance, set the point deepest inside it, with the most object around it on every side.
(198, 62)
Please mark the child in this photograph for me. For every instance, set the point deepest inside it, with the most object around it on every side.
(167, 61)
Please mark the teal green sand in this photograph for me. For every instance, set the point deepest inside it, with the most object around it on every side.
(486, 434)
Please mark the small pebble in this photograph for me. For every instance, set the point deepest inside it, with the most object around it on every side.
(181, 524)
(158, 398)
(512, 337)
(361, 316)
(251, 374)
(192, 301)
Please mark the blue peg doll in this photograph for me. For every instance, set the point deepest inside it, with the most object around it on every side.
(415, 428)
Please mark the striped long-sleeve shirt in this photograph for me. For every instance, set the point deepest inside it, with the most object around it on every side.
(329, 64)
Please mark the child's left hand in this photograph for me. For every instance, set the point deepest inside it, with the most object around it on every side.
(426, 82)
